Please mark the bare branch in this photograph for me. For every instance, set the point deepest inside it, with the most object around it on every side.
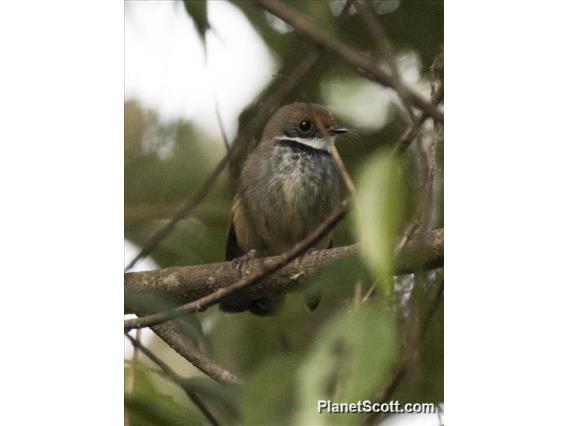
(220, 123)
(247, 281)
(384, 47)
(405, 141)
(188, 283)
(187, 349)
(351, 56)
(175, 378)
(131, 378)
(346, 177)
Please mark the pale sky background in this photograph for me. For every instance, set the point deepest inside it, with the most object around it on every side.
(166, 70)
(165, 66)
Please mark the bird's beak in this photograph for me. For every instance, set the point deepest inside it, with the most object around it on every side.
(335, 130)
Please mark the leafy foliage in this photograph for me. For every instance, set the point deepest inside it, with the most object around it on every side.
(150, 406)
(353, 353)
(379, 213)
(197, 10)
(340, 352)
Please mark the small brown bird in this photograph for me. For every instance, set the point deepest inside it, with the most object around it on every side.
(289, 184)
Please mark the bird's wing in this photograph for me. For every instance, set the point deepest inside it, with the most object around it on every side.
(232, 248)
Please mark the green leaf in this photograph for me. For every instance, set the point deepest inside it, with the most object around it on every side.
(197, 11)
(268, 396)
(191, 242)
(380, 214)
(350, 359)
(335, 284)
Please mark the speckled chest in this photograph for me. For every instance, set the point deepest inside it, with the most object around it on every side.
(293, 193)
(307, 179)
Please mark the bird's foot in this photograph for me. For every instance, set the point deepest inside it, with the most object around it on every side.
(240, 262)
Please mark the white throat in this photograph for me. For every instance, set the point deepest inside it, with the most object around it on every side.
(316, 143)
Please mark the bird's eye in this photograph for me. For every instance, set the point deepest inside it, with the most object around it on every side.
(305, 125)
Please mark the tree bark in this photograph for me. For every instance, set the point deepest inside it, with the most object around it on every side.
(188, 283)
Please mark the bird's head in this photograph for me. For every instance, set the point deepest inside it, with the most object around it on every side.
(305, 123)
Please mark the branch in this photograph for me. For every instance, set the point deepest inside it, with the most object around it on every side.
(405, 141)
(375, 26)
(247, 281)
(345, 176)
(355, 58)
(187, 349)
(188, 283)
(180, 381)
(220, 123)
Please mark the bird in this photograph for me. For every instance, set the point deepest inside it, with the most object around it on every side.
(288, 185)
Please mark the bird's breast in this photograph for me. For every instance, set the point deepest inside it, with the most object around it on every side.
(292, 196)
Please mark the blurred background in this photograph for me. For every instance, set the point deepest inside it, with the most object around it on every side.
(195, 69)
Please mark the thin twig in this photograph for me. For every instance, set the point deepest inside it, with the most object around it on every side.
(426, 209)
(247, 281)
(188, 207)
(384, 46)
(220, 123)
(343, 170)
(176, 378)
(355, 58)
(406, 237)
(130, 380)
(405, 141)
(369, 293)
(357, 299)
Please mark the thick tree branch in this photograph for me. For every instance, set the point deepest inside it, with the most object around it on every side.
(247, 281)
(188, 283)
(355, 58)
